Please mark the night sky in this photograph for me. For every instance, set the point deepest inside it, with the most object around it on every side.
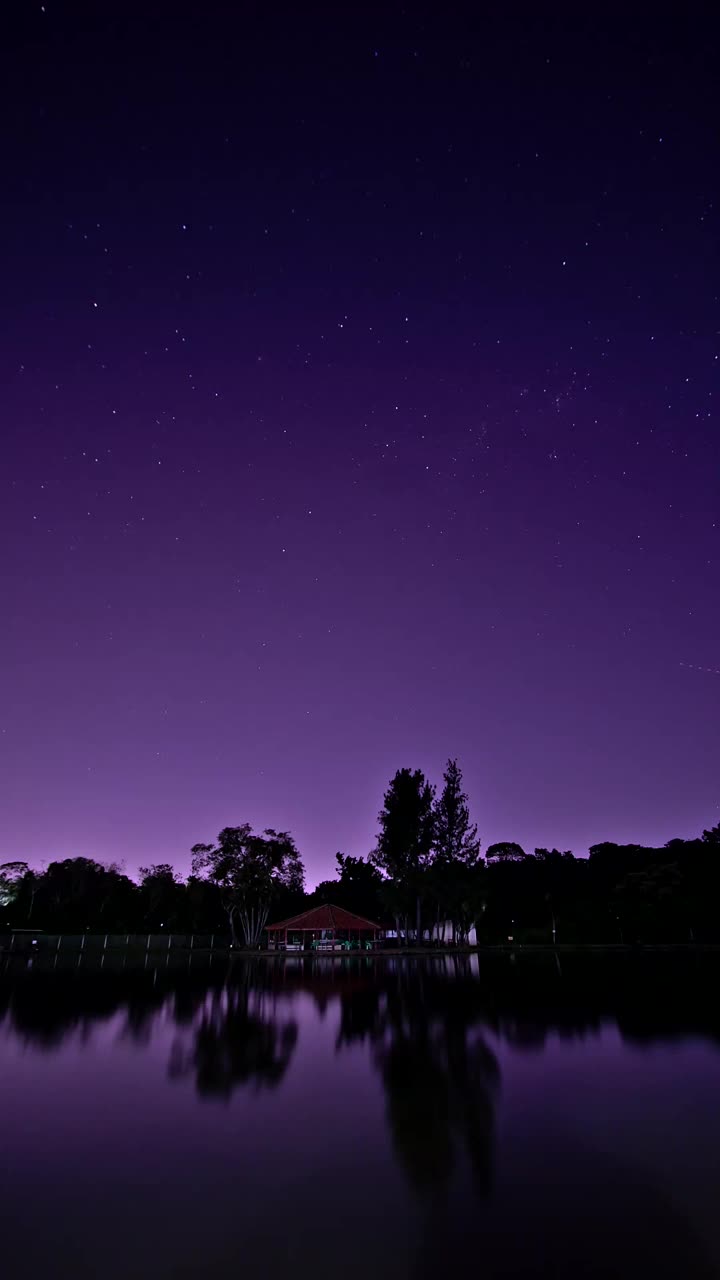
(358, 399)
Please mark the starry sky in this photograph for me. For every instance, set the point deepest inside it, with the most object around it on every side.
(358, 407)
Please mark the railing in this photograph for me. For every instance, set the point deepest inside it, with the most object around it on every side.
(118, 951)
(27, 942)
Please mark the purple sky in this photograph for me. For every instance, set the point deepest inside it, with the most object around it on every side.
(357, 410)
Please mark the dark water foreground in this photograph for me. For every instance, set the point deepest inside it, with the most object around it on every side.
(363, 1117)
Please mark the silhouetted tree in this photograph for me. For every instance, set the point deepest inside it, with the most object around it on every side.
(202, 904)
(455, 837)
(326, 891)
(357, 887)
(394, 904)
(12, 875)
(79, 893)
(249, 870)
(427, 859)
(506, 851)
(404, 844)
(161, 894)
(456, 861)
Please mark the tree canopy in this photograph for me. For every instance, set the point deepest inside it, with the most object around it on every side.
(405, 840)
(251, 871)
(425, 875)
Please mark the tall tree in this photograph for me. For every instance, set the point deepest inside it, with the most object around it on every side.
(250, 871)
(455, 837)
(404, 844)
(456, 854)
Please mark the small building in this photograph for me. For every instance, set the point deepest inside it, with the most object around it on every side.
(323, 928)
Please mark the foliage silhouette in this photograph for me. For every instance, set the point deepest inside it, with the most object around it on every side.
(426, 875)
(405, 841)
(251, 872)
(455, 882)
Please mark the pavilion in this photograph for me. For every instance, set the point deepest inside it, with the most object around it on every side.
(330, 928)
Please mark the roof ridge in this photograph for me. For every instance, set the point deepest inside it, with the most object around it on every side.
(332, 909)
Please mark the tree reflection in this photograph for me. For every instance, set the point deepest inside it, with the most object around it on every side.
(47, 1010)
(439, 1075)
(238, 1041)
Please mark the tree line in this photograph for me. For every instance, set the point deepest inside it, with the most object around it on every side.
(426, 878)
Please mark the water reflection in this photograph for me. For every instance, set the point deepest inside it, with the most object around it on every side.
(438, 1074)
(433, 1039)
(237, 1041)
(403, 1008)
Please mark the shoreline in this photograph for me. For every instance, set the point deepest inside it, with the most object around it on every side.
(92, 947)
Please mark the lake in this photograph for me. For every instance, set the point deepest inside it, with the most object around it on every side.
(495, 1115)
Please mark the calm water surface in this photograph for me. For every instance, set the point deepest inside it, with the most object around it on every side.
(362, 1117)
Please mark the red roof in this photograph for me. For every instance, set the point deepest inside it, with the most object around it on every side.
(325, 917)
